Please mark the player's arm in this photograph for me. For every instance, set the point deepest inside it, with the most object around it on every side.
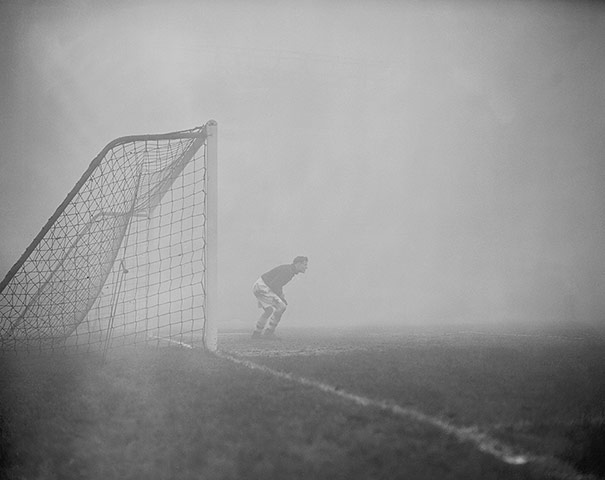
(279, 291)
(280, 294)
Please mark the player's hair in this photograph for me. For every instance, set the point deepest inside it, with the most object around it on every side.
(300, 260)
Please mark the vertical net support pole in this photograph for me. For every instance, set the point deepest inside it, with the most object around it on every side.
(210, 330)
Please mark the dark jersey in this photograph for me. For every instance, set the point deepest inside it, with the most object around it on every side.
(276, 278)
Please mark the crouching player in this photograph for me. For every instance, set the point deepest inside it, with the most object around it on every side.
(268, 290)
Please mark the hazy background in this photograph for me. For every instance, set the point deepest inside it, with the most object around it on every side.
(437, 161)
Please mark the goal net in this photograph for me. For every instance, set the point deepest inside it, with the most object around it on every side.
(129, 257)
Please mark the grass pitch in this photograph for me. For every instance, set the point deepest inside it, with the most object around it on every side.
(183, 413)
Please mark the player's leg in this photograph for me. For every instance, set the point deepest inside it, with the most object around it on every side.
(260, 291)
(274, 322)
(262, 321)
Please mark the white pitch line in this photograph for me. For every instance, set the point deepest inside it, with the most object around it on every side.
(482, 440)
(529, 335)
(469, 434)
(170, 340)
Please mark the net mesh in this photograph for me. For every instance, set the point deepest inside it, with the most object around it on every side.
(123, 259)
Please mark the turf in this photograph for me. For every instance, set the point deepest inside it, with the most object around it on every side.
(542, 394)
(179, 413)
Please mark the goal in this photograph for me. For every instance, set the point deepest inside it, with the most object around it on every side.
(129, 257)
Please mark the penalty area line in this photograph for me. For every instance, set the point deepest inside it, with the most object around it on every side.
(465, 434)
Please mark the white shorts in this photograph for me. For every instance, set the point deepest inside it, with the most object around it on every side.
(267, 297)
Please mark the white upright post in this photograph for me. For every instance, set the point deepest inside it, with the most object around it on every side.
(210, 330)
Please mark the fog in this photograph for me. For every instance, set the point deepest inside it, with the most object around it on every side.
(436, 161)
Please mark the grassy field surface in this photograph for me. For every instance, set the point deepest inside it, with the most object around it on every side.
(539, 393)
(178, 413)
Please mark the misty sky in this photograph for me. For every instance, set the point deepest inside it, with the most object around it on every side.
(435, 160)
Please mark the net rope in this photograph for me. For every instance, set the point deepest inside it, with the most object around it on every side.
(123, 259)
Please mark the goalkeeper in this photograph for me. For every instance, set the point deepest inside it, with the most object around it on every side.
(268, 290)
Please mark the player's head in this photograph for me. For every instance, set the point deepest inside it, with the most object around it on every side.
(300, 264)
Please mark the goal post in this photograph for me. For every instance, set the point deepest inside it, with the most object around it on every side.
(211, 330)
(130, 255)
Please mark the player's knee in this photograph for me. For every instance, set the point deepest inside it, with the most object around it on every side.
(269, 311)
(281, 308)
